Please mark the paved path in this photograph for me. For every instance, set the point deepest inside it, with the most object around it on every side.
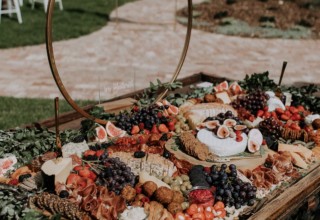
(126, 55)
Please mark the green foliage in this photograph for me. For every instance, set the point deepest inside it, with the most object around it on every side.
(78, 18)
(150, 94)
(258, 81)
(18, 111)
(13, 204)
(305, 96)
(26, 144)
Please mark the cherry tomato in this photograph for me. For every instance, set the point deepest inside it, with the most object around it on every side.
(208, 215)
(218, 206)
(192, 209)
(208, 209)
(180, 216)
(198, 216)
(200, 209)
(221, 213)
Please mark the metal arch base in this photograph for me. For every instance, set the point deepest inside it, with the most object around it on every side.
(57, 78)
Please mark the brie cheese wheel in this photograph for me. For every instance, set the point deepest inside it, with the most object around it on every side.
(274, 103)
(271, 94)
(74, 148)
(222, 147)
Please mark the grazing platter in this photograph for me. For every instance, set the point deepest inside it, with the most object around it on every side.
(181, 157)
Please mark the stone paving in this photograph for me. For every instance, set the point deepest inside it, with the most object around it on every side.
(145, 44)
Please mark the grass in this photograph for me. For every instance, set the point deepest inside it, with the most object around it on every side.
(19, 111)
(79, 17)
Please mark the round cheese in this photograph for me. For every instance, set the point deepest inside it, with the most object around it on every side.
(222, 147)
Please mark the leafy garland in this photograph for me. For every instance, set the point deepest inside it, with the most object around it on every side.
(28, 143)
(13, 204)
(258, 81)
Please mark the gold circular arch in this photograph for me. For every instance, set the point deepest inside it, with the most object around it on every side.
(57, 78)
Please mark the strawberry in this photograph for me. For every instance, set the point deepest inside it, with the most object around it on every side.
(267, 115)
(285, 117)
(141, 126)
(287, 113)
(293, 109)
(99, 153)
(77, 168)
(146, 131)
(85, 173)
(154, 130)
(296, 117)
(266, 108)
(239, 138)
(171, 123)
(300, 108)
(295, 127)
(72, 178)
(172, 128)
(279, 111)
(251, 118)
(274, 115)
(135, 129)
(93, 176)
(13, 182)
(89, 152)
(260, 113)
(163, 128)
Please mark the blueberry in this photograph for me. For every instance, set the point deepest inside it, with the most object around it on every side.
(64, 194)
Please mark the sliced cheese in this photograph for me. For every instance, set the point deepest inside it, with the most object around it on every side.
(307, 154)
(298, 161)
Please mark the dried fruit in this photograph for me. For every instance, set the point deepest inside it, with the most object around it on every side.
(223, 132)
(230, 122)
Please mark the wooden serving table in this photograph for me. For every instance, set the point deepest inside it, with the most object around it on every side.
(291, 200)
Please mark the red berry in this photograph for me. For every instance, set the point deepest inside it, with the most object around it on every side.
(135, 129)
(141, 126)
(163, 128)
(89, 152)
(239, 138)
(13, 182)
(138, 190)
(260, 113)
(154, 130)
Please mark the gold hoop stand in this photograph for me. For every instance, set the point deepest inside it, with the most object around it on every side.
(58, 80)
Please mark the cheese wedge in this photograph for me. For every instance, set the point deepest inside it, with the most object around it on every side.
(298, 161)
(57, 170)
(224, 96)
(305, 152)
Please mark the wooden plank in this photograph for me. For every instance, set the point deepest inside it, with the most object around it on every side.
(292, 198)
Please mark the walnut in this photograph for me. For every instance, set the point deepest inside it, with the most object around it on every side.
(209, 98)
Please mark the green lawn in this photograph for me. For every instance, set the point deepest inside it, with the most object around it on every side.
(79, 17)
(18, 111)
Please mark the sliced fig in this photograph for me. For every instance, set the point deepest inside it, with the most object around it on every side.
(212, 124)
(255, 134)
(101, 134)
(253, 146)
(240, 127)
(223, 132)
(201, 126)
(230, 122)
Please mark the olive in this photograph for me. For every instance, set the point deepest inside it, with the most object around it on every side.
(139, 154)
